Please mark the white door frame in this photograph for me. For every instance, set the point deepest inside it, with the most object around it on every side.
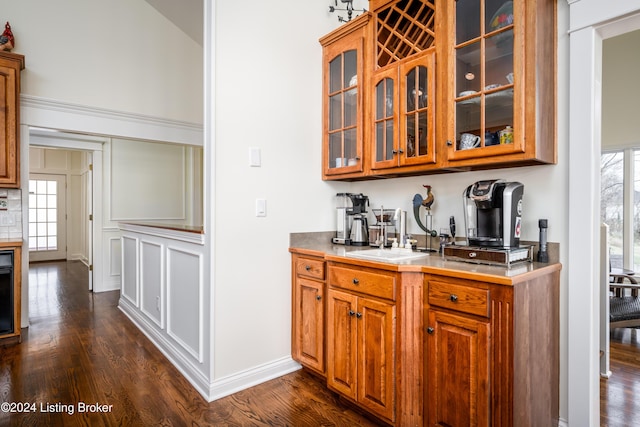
(590, 24)
(94, 145)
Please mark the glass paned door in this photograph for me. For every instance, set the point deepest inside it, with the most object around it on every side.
(484, 80)
(47, 217)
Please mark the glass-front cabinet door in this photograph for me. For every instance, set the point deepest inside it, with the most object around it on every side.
(343, 103)
(403, 114)
(487, 119)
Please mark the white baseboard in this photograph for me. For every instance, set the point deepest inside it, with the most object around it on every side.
(251, 377)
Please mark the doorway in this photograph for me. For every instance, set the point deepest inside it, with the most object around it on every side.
(47, 217)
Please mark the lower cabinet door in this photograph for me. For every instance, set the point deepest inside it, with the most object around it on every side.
(310, 321)
(376, 356)
(457, 370)
(341, 342)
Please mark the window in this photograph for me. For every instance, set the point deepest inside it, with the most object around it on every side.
(43, 227)
(620, 206)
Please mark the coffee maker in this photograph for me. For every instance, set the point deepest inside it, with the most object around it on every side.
(352, 226)
(493, 213)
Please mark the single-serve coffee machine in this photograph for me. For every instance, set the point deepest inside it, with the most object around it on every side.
(493, 213)
(352, 226)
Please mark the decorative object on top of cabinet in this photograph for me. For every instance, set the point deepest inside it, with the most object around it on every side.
(10, 66)
(7, 41)
(345, 61)
(349, 9)
(497, 68)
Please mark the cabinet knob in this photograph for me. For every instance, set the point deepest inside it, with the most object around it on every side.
(449, 143)
(356, 281)
(307, 267)
(351, 312)
(318, 297)
(358, 315)
(453, 298)
(430, 330)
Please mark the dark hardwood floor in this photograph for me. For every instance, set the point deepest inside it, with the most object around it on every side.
(81, 350)
(620, 394)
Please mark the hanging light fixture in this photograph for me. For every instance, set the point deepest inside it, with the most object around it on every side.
(349, 9)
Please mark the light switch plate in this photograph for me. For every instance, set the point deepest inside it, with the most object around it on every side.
(254, 157)
(261, 207)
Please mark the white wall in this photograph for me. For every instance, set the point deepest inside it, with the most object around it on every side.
(119, 55)
(620, 91)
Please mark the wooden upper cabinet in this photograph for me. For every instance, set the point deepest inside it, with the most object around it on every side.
(441, 85)
(403, 129)
(345, 81)
(497, 71)
(10, 66)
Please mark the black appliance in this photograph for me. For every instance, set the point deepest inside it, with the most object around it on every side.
(493, 213)
(6, 292)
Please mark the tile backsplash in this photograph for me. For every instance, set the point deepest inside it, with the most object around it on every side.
(10, 214)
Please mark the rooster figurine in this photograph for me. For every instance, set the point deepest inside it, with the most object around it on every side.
(427, 202)
(6, 39)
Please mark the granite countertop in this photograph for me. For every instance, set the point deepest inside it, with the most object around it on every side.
(319, 244)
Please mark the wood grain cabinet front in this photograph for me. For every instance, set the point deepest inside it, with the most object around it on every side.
(10, 66)
(491, 352)
(360, 351)
(308, 312)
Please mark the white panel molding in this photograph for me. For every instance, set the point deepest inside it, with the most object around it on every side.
(132, 297)
(192, 371)
(53, 114)
(161, 265)
(195, 352)
(115, 253)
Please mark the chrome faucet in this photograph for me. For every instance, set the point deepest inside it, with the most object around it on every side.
(402, 216)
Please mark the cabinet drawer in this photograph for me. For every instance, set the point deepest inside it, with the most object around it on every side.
(310, 267)
(460, 298)
(378, 284)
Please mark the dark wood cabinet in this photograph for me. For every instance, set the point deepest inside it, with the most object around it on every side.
(10, 66)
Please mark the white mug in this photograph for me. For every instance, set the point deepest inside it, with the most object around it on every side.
(469, 140)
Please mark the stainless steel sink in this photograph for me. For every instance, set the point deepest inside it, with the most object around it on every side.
(386, 255)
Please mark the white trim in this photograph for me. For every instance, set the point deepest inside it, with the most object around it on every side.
(53, 114)
(242, 380)
(182, 236)
(590, 22)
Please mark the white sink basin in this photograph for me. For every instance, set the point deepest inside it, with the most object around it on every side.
(387, 255)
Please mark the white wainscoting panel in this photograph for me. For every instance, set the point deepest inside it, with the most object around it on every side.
(184, 299)
(129, 289)
(152, 281)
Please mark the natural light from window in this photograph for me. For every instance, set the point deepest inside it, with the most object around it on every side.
(620, 206)
(43, 227)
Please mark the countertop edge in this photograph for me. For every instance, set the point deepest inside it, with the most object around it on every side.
(460, 270)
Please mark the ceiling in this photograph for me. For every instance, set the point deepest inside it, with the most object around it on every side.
(187, 15)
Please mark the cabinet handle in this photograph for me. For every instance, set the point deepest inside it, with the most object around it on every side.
(356, 281)
(358, 315)
(453, 298)
(351, 312)
(318, 297)
(307, 267)
(449, 143)
(430, 330)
